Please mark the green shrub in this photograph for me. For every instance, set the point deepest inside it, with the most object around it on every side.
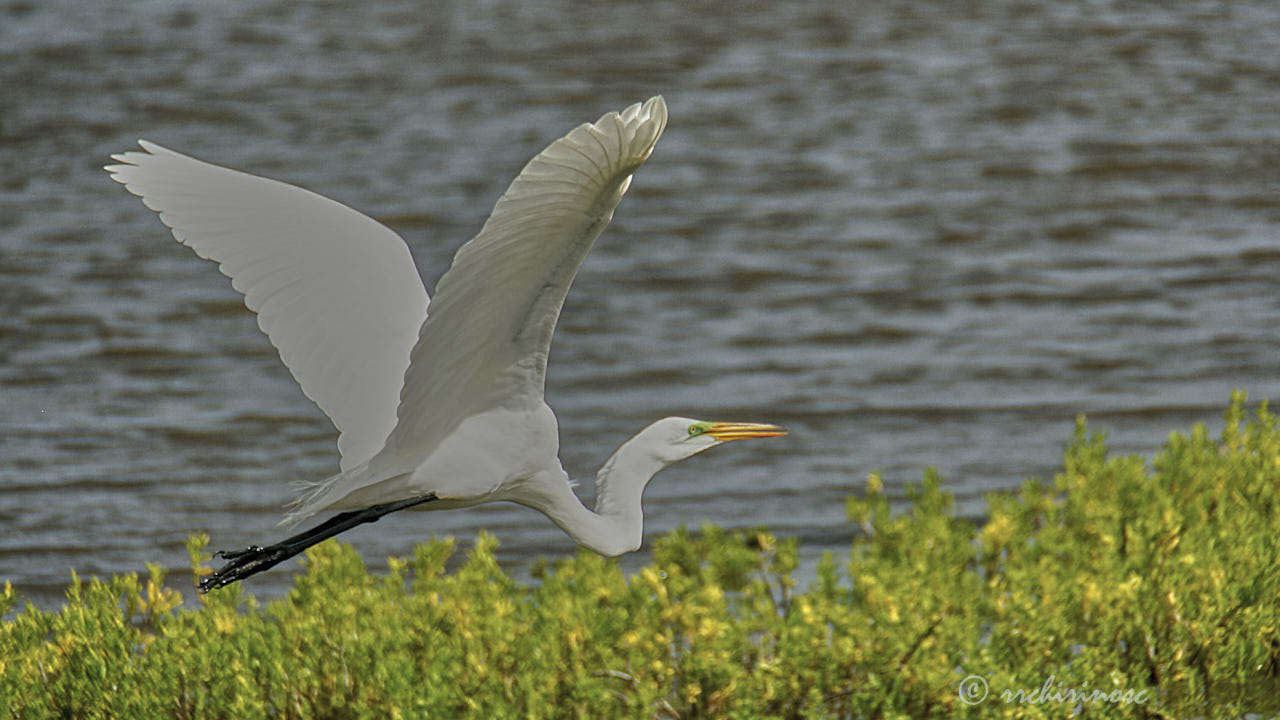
(1157, 579)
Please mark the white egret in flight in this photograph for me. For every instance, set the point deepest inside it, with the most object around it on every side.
(438, 405)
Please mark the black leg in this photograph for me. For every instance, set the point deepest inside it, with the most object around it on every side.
(254, 559)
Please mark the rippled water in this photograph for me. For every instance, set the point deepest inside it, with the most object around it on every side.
(917, 234)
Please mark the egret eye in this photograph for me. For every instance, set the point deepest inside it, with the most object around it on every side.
(699, 428)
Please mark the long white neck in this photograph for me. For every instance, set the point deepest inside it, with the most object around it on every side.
(617, 524)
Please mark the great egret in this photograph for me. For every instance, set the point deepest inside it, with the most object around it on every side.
(438, 406)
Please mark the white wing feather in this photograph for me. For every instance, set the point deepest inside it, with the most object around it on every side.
(486, 340)
(335, 291)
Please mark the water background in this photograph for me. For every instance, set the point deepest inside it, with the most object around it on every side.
(917, 233)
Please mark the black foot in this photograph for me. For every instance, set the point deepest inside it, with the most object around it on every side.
(254, 559)
(233, 554)
(250, 561)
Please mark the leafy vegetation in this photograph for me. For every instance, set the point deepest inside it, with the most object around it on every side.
(1125, 588)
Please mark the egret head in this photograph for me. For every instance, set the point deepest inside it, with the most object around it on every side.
(676, 438)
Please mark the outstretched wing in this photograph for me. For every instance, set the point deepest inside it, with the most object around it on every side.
(486, 341)
(335, 291)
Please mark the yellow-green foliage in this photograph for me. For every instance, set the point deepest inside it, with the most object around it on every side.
(1157, 578)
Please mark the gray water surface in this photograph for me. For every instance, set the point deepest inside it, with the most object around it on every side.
(916, 233)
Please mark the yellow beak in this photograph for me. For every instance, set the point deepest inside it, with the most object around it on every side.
(724, 432)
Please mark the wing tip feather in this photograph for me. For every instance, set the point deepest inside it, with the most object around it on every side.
(131, 159)
(128, 161)
(637, 127)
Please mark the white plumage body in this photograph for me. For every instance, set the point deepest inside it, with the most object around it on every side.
(438, 402)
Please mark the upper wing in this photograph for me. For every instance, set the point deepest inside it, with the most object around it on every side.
(335, 291)
(485, 343)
